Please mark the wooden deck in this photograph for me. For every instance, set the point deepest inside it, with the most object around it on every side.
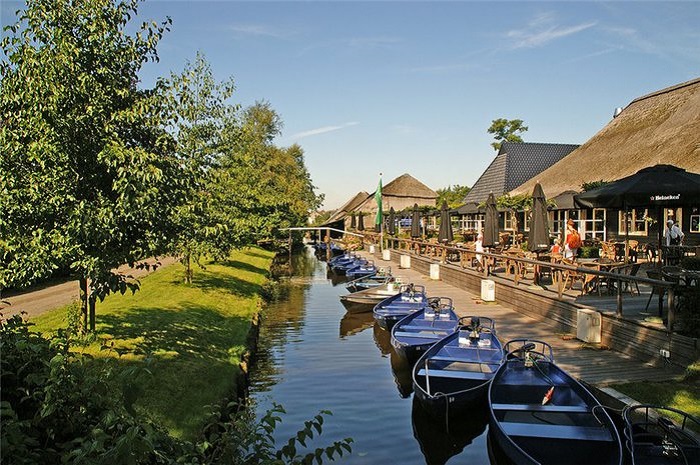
(585, 361)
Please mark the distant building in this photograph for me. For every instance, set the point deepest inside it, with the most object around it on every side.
(402, 194)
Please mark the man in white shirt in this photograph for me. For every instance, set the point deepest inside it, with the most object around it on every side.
(673, 234)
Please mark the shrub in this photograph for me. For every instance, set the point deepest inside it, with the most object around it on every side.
(55, 408)
(588, 252)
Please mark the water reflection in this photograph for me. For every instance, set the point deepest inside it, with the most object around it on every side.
(441, 437)
(354, 323)
(400, 369)
(313, 355)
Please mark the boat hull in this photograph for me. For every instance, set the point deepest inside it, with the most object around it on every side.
(415, 334)
(563, 429)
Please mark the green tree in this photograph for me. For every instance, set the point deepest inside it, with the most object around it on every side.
(88, 177)
(200, 112)
(587, 186)
(453, 195)
(515, 203)
(506, 130)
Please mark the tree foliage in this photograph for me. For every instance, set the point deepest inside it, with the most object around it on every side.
(453, 195)
(88, 178)
(506, 130)
(587, 186)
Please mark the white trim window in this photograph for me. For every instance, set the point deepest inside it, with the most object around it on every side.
(509, 220)
(636, 222)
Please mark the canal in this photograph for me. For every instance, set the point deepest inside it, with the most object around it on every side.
(313, 355)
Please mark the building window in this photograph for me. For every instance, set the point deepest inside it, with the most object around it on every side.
(509, 221)
(527, 216)
(636, 222)
(694, 220)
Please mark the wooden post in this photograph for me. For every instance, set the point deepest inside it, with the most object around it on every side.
(671, 308)
(327, 240)
(618, 312)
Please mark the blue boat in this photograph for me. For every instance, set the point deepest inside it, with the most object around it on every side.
(361, 269)
(343, 265)
(456, 371)
(539, 414)
(653, 439)
(389, 311)
(380, 278)
(416, 332)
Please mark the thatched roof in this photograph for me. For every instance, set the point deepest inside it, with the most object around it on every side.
(661, 127)
(515, 163)
(347, 207)
(408, 186)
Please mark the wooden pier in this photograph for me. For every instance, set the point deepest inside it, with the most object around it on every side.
(592, 363)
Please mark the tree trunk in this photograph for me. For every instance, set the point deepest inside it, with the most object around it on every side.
(92, 302)
(188, 269)
(84, 303)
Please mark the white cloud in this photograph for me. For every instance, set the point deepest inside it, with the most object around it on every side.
(259, 30)
(542, 30)
(322, 130)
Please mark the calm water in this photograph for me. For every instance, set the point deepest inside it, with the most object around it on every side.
(313, 355)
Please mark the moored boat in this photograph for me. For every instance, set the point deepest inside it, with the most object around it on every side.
(416, 332)
(652, 438)
(364, 301)
(382, 276)
(539, 414)
(456, 371)
(361, 269)
(389, 311)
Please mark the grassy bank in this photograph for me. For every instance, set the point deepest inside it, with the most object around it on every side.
(683, 395)
(190, 337)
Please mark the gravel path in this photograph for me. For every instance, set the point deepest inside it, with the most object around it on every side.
(39, 301)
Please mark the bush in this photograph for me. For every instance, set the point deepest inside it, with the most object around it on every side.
(55, 408)
(588, 252)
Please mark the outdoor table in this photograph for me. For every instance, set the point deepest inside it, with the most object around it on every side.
(593, 282)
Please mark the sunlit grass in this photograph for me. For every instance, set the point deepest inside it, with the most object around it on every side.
(191, 337)
(682, 395)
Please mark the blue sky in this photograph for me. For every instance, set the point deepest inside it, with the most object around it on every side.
(411, 87)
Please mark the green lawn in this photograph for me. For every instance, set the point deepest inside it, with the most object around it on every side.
(191, 336)
(683, 395)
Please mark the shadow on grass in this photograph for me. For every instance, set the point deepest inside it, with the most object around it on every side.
(194, 331)
(244, 266)
(209, 282)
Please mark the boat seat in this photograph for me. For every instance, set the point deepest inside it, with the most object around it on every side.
(438, 335)
(542, 408)
(441, 358)
(583, 433)
(456, 374)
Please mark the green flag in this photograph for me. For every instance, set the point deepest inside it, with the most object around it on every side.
(378, 199)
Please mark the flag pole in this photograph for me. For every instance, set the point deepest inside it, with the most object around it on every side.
(380, 216)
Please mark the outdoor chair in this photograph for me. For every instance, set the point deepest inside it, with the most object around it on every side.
(632, 270)
(571, 277)
(607, 250)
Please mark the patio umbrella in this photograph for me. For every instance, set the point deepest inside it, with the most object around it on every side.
(538, 239)
(445, 234)
(491, 222)
(353, 223)
(655, 186)
(415, 222)
(361, 222)
(392, 222)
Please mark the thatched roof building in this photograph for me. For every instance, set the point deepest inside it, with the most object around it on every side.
(401, 193)
(342, 214)
(661, 127)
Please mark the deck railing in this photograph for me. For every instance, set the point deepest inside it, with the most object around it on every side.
(465, 258)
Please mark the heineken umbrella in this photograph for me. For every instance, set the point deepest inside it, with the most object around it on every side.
(538, 239)
(392, 222)
(415, 222)
(353, 222)
(445, 233)
(361, 222)
(655, 186)
(491, 222)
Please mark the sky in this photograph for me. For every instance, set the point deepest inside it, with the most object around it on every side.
(411, 87)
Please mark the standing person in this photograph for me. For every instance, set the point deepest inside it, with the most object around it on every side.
(556, 247)
(479, 247)
(573, 241)
(673, 233)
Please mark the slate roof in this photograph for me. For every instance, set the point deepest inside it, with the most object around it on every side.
(662, 127)
(516, 163)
